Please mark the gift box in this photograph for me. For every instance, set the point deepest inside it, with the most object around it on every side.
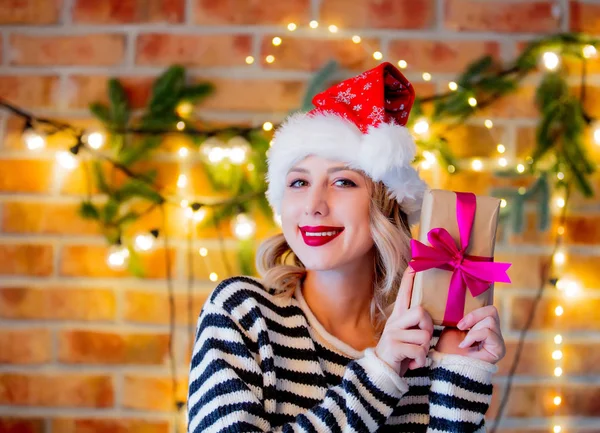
(453, 258)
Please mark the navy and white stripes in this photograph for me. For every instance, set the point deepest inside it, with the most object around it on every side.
(257, 367)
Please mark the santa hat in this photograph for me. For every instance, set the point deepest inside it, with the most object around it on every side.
(361, 122)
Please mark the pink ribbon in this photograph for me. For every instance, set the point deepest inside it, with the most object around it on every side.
(475, 272)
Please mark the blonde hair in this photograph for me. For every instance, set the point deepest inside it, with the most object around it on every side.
(281, 269)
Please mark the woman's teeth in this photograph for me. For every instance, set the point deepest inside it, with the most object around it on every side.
(322, 233)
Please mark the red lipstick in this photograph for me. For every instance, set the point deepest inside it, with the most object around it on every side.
(315, 236)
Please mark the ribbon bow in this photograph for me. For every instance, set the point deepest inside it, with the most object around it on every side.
(473, 272)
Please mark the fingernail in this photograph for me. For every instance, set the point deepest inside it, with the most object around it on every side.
(462, 344)
(460, 324)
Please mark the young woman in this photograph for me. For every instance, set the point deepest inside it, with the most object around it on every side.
(327, 341)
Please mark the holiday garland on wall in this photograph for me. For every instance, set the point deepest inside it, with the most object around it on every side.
(123, 190)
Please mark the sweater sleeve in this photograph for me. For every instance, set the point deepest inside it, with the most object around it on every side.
(227, 386)
(460, 393)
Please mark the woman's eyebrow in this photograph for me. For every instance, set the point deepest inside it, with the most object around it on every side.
(329, 170)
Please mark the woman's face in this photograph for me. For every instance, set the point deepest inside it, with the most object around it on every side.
(325, 214)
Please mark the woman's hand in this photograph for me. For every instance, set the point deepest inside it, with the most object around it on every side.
(483, 340)
(404, 343)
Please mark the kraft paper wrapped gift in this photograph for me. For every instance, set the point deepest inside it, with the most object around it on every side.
(453, 257)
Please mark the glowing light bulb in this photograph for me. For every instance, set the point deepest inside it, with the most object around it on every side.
(270, 58)
(182, 181)
(195, 215)
(557, 400)
(213, 276)
(203, 252)
(451, 168)
(503, 202)
(558, 339)
(313, 24)
(183, 152)
(180, 125)
(333, 28)
(66, 160)
(453, 86)
(559, 258)
(144, 242)
(559, 310)
(250, 167)
(557, 354)
(33, 139)
(488, 124)
(472, 102)
(267, 126)
(557, 429)
(292, 26)
(184, 203)
(597, 135)
(237, 154)
(377, 55)
(94, 139)
(522, 190)
(243, 226)
(249, 60)
(558, 371)
(520, 168)
(550, 60)
(402, 64)
(356, 39)
(477, 165)
(501, 148)
(560, 202)
(216, 154)
(560, 230)
(421, 127)
(560, 175)
(276, 41)
(118, 257)
(502, 162)
(184, 109)
(589, 51)
(426, 76)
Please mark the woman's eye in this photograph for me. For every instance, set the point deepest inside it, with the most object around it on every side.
(298, 183)
(346, 183)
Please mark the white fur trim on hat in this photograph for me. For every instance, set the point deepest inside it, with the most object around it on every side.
(384, 153)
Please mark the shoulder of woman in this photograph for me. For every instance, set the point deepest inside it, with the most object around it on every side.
(235, 291)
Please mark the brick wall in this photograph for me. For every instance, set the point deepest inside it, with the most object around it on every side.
(84, 348)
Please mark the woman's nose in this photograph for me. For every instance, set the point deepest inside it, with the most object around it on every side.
(316, 202)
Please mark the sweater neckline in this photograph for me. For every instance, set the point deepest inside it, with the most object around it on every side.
(324, 336)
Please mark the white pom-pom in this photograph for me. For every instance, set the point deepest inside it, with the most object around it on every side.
(386, 147)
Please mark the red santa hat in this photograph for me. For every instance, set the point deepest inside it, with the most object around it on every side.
(361, 122)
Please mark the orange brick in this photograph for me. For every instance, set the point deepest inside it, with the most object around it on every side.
(30, 91)
(579, 229)
(536, 400)
(56, 390)
(84, 50)
(89, 347)
(26, 259)
(30, 11)
(312, 54)
(20, 175)
(131, 11)
(578, 314)
(579, 359)
(255, 95)
(151, 393)
(224, 265)
(94, 425)
(584, 17)
(521, 103)
(500, 16)
(86, 89)
(149, 307)
(192, 50)
(22, 425)
(392, 14)
(251, 13)
(441, 56)
(90, 261)
(26, 346)
(467, 141)
(26, 217)
(56, 303)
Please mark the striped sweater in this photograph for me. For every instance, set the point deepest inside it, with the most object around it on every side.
(265, 364)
